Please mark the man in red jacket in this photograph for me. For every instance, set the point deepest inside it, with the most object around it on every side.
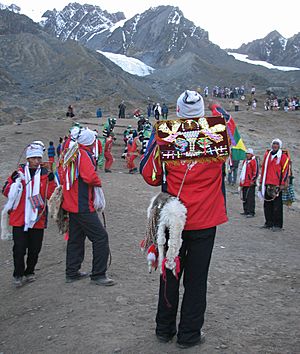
(27, 190)
(274, 175)
(79, 200)
(202, 195)
(248, 178)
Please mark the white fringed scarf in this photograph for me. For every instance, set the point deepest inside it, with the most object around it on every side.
(30, 213)
(244, 169)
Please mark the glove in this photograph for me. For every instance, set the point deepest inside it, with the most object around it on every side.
(50, 176)
(14, 175)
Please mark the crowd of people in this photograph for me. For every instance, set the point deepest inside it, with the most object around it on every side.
(70, 178)
(273, 103)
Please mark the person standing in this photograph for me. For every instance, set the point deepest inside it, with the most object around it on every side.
(59, 147)
(274, 177)
(201, 193)
(51, 152)
(122, 108)
(79, 200)
(164, 111)
(248, 178)
(99, 113)
(157, 111)
(28, 216)
(109, 159)
(232, 172)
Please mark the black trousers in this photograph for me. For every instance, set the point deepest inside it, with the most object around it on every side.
(30, 242)
(273, 211)
(249, 200)
(195, 255)
(82, 225)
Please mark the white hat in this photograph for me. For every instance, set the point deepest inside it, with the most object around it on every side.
(250, 151)
(278, 141)
(35, 150)
(86, 137)
(190, 105)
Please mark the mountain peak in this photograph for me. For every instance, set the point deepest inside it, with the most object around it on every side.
(79, 22)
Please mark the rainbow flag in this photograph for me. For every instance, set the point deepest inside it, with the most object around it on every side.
(238, 148)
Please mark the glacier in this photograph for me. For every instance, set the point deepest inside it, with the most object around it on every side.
(244, 58)
(131, 65)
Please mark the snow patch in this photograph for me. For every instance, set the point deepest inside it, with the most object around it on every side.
(283, 41)
(117, 25)
(175, 19)
(129, 64)
(244, 58)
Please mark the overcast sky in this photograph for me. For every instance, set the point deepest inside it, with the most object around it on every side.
(229, 23)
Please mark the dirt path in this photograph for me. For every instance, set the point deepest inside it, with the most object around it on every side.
(253, 294)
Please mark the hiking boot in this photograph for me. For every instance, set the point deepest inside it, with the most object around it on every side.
(18, 282)
(79, 276)
(250, 216)
(243, 213)
(164, 338)
(107, 171)
(183, 345)
(265, 227)
(104, 281)
(30, 278)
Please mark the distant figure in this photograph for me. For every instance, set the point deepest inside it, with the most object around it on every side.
(51, 152)
(122, 108)
(149, 110)
(206, 91)
(248, 178)
(232, 173)
(236, 105)
(59, 147)
(254, 103)
(109, 159)
(99, 113)
(253, 90)
(165, 111)
(157, 111)
(70, 112)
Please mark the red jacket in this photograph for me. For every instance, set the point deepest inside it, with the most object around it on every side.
(17, 216)
(277, 174)
(80, 197)
(251, 173)
(201, 193)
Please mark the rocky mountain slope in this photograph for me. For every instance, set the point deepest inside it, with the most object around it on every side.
(80, 22)
(275, 49)
(38, 70)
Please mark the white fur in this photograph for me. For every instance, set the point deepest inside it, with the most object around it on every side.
(172, 216)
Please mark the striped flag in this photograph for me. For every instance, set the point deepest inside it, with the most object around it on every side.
(238, 148)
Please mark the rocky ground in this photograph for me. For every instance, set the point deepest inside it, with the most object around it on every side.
(253, 293)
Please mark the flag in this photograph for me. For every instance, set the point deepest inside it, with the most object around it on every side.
(238, 148)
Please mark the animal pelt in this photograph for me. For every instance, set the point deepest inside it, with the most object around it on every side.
(165, 212)
(56, 211)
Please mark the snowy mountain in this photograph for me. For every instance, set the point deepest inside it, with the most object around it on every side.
(80, 22)
(14, 8)
(274, 49)
(129, 64)
(157, 36)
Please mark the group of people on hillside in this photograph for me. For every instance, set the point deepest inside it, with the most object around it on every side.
(286, 104)
(224, 92)
(198, 186)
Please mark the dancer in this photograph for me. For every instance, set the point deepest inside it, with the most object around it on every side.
(27, 190)
(199, 186)
(248, 178)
